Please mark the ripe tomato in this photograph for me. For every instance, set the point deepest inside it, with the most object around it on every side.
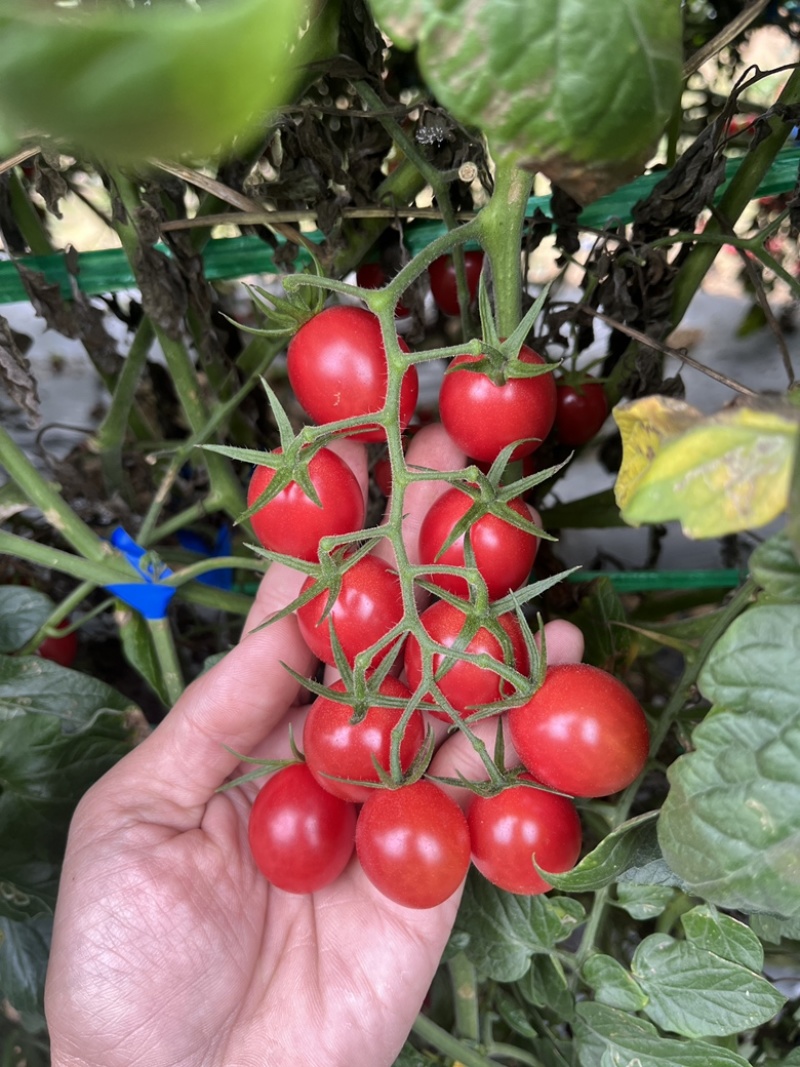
(504, 554)
(580, 411)
(509, 830)
(337, 368)
(583, 732)
(61, 650)
(482, 418)
(301, 836)
(465, 684)
(333, 745)
(442, 276)
(373, 276)
(292, 523)
(413, 844)
(369, 604)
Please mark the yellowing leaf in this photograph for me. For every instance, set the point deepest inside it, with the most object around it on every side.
(716, 474)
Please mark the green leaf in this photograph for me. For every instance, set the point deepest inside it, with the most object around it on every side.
(505, 930)
(730, 825)
(643, 902)
(546, 986)
(705, 927)
(596, 617)
(774, 566)
(24, 949)
(124, 85)
(608, 1036)
(771, 928)
(632, 844)
(717, 474)
(612, 984)
(697, 993)
(22, 612)
(137, 646)
(578, 90)
(598, 511)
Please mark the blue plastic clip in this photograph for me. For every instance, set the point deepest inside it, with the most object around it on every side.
(151, 597)
(222, 578)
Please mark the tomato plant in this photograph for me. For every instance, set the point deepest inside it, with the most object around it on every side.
(301, 835)
(442, 277)
(581, 409)
(510, 829)
(337, 369)
(368, 605)
(504, 554)
(372, 275)
(413, 844)
(465, 685)
(335, 747)
(291, 523)
(483, 417)
(582, 732)
(62, 650)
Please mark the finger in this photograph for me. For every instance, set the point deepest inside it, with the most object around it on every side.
(235, 704)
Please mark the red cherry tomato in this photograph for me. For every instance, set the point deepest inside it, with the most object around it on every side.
(61, 650)
(301, 836)
(580, 411)
(582, 732)
(442, 276)
(413, 844)
(334, 746)
(369, 604)
(292, 523)
(373, 276)
(337, 368)
(483, 418)
(465, 685)
(504, 554)
(509, 830)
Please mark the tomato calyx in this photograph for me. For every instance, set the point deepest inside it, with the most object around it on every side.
(286, 314)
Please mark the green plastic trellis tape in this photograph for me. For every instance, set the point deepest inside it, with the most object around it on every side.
(659, 581)
(108, 271)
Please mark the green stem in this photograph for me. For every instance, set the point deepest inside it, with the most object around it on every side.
(60, 612)
(26, 217)
(734, 200)
(500, 228)
(465, 997)
(167, 656)
(110, 570)
(450, 1046)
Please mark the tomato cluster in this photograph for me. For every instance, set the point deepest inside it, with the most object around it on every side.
(361, 784)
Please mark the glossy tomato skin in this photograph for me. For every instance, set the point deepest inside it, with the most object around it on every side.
(580, 412)
(301, 836)
(504, 554)
(61, 650)
(334, 747)
(369, 604)
(483, 418)
(442, 277)
(292, 523)
(465, 684)
(337, 368)
(507, 830)
(413, 844)
(582, 732)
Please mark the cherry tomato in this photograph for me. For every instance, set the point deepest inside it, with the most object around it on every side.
(580, 411)
(301, 836)
(369, 604)
(337, 368)
(442, 276)
(504, 554)
(292, 523)
(483, 418)
(373, 276)
(465, 684)
(333, 745)
(512, 828)
(582, 732)
(61, 650)
(413, 844)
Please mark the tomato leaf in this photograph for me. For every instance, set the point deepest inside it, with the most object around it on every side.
(124, 85)
(505, 930)
(730, 825)
(24, 951)
(578, 90)
(612, 984)
(775, 568)
(22, 612)
(606, 1035)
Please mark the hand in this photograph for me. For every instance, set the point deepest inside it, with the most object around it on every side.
(169, 947)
